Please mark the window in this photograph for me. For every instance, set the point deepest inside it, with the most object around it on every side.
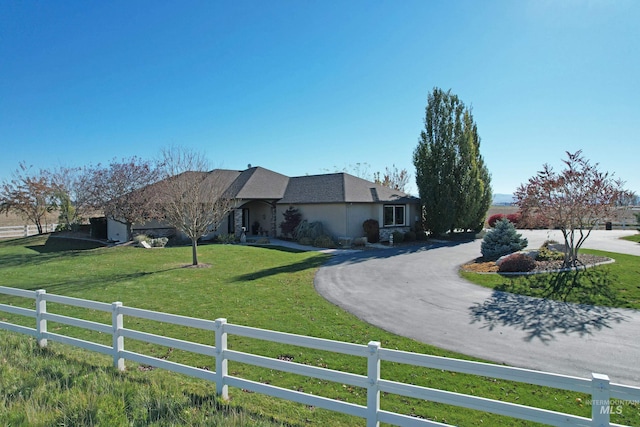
(393, 215)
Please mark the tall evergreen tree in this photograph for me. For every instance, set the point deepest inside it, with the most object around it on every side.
(452, 179)
(474, 189)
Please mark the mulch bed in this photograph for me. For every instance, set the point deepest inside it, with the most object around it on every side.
(200, 265)
(479, 265)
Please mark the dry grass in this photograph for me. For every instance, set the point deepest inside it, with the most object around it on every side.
(479, 266)
(10, 219)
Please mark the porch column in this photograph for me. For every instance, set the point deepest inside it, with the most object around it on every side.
(237, 221)
(273, 232)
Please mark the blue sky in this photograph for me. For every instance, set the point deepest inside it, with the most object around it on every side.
(305, 87)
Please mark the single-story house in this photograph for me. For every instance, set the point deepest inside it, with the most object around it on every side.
(340, 201)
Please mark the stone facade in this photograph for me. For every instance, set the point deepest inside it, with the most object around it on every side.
(237, 221)
(274, 230)
(388, 231)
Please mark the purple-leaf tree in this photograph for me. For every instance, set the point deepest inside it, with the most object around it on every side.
(573, 201)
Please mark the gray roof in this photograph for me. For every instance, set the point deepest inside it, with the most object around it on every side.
(258, 183)
(340, 188)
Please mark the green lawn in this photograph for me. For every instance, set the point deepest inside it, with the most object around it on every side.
(57, 386)
(263, 287)
(613, 285)
(634, 238)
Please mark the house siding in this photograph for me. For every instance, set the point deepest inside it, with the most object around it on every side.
(116, 231)
(340, 219)
(331, 215)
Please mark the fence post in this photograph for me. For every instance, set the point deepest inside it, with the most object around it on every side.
(373, 392)
(41, 322)
(117, 339)
(221, 359)
(600, 400)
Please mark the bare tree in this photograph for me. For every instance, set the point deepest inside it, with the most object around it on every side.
(192, 199)
(122, 190)
(393, 178)
(361, 170)
(29, 194)
(72, 192)
(574, 200)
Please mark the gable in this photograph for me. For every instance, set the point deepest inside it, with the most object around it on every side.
(259, 183)
(358, 190)
(327, 188)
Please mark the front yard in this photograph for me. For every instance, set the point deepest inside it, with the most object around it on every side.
(264, 287)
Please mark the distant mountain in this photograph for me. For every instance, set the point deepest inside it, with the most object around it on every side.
(502, 199)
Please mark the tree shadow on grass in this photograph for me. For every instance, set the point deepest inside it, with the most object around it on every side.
(593, 286)
(280, 248)
(542, 318)
(306, 264)
(52, 249)
(68, 286)
(55, 244)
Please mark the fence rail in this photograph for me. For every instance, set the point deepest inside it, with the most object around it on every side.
(24, 230)
(598, 386)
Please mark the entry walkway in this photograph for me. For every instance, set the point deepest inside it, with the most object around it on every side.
(417, 292)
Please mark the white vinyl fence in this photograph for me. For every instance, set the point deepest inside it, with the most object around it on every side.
(604, 394)
(25, 230)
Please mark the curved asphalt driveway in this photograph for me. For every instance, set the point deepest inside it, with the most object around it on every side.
(417, 293)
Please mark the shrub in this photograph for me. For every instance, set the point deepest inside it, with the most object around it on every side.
(292, 218)
(324, 241)
(305, 241)
(309, 230)
(517, 263)
(502, 240)
(421, 233)
(398, 237)
(63, 227)
(514, 218)
(410, 236)
(141, 238)
(495, 218)
(546, 254)
(225, 239)
(537, 221)
(372, 230)
(360, 241)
